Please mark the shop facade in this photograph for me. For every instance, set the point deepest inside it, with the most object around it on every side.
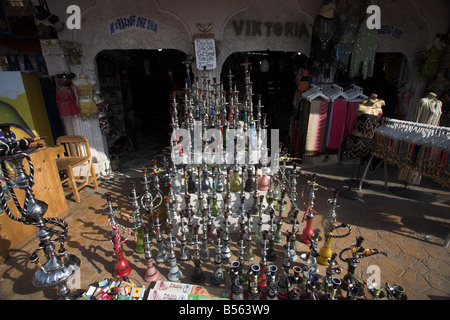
(406, 27)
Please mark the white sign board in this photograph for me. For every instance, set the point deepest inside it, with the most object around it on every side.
(205, 54)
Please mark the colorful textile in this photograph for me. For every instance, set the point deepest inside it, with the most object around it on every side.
(337, 124)
(316, 126)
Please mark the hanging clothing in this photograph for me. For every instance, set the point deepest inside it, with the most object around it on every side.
(86, 103)
(350, 118)
(337, 124)
(428, 111)
(66, 97)
(364, 48)
(316, 126)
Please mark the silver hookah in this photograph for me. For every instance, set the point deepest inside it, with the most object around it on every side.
(293, 238)
(293, 195)
(248, 254)
(226, 250)
(161, 255)
(218, 276)
(204, 252)
(200, 196)
(272, 282)
(184, 250)
(137, 218)
(174, 271)
(271, 254)
(60, 266)
(258, 237)
(190, 226)
(284, 281)
(241, 247)
(332, 283)
(236, 285)
(198, 276)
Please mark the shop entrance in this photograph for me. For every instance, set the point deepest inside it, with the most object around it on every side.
(137, 85)
(275, 75)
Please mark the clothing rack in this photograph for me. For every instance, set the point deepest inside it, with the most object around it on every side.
(423, 149)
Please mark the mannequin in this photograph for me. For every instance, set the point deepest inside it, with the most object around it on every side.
(369, 113)
(85, 91)
(428, 110)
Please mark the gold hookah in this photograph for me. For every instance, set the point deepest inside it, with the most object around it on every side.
(325, 252)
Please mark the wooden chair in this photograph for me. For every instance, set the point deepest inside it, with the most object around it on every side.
(76, 153)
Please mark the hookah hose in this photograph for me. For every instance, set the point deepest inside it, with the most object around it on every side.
(116, 241)
(354, 260)
(332, 227)
(55, 221)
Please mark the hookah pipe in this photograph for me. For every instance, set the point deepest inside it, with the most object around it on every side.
(218, 276)
(248, 254)
(272, 282)
(309, 214)
(263, 262)
(294, 231)
(174, 272)
(137, 220)
(184, 250)
(285, 281)
(151, 274)
(350, 283)
(332, 283)
(253, 292)
(258, 234)
(325, 252)
(236, 285)
(226, 250)
(278, 237)
(60, 266)
(200, 197)
(161, 255)
(198, 275)
(204, 253)
(121, 268)
(271, 254)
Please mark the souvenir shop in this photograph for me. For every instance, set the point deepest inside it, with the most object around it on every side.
(335, 89)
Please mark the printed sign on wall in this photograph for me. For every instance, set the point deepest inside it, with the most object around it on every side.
(132, 22)
(205, 54)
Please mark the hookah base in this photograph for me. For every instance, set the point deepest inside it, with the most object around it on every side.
(322, 260)
(198, 277)
(174, 275)
(151, 275)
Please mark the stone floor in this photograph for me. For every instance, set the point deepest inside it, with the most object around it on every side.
(411, 230)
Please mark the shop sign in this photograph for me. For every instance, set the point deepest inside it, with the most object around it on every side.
(205, 53)
(391, 31)
(254, 28)
(132, 22)
(15, 65)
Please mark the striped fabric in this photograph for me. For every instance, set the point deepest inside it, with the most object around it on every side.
(316, 126)
(337, 124)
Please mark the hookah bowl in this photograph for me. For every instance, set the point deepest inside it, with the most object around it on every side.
(254, 292)
(236, 287)
(308, 260)
(272, 282)
(151, 274)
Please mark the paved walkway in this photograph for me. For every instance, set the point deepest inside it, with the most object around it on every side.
(410, 230)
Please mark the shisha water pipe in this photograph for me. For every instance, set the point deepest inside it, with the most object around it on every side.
(270, 198)
(272, 282)
(332, 283)
(122, 268)
(258, 237)
(253, 292)
(248, 253)
(204, 252)
(294, 290)
(309, 213)
(271, 254)
(226, 250)
(325, 252)
(241, 209)
(294, 232)
(198, 276)
(293, 195)
(161, 255)
(200, 198)
(137, 220)
(350, 283)
(151, 274)
(285, 282)
(236, 285)
(184, 250)
(263, 262)
(241, 247)
(279, 222)
(60, 265)
(218, 276)
(174, 271)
